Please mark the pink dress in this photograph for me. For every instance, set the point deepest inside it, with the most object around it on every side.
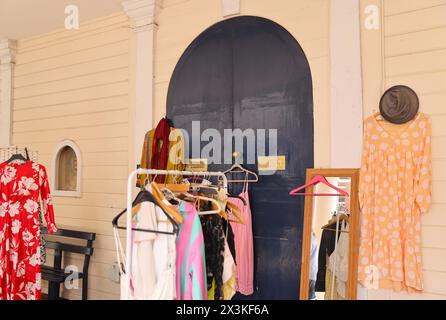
(244, 246)
(191, 281)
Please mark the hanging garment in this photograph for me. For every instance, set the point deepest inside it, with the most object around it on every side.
(20, 188)
(165, 246)
(229, 237)
(214, 240)
(339, 259)
(313, 257)
(153, 256)
(313, 267)
(176, 157)
(312, 290)
(160, 147)
(191, 281)
(395, 187)
(331, 293)
(326, 248)
(42, 239)
(143, 276)
(244, 245)
(229, 276)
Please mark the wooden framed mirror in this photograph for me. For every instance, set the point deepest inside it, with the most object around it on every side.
(330, 268)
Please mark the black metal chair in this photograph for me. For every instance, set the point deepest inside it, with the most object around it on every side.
(55, 274)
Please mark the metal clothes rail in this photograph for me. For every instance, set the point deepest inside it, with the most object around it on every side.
(129, 209)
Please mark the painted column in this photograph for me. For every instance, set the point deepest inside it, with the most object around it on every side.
(373, 70)
(230, 7)
(143, 14)
(345, 84)
(7, 55)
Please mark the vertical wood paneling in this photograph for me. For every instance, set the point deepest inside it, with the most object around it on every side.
(415, 55)
(75, 85)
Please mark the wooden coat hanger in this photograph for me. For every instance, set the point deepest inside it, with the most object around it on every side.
(329, 225)
(235, 211)
(178, 187)
(198, 198)
(169, 208)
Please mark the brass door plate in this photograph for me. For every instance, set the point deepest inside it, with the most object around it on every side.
(271, 163)
(197, 164)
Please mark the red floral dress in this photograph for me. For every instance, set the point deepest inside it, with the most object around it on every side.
(20, 188)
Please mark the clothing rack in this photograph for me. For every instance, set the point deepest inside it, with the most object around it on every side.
(6, 153)
(129, 208)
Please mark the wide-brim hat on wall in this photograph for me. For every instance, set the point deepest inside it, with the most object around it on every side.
(399, 104)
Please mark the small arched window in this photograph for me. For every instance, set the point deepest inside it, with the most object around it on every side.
(67, 170)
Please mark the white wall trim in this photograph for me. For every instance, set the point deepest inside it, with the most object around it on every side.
(8, 50)
(54, 165)
(345, 84)
(230, 7)
(143, 14)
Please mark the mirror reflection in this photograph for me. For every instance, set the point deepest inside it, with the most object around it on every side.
(329, 256)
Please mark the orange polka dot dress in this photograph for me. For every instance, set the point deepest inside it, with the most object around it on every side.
(395, 188)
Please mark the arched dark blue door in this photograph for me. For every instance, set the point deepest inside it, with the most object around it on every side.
(249, 72)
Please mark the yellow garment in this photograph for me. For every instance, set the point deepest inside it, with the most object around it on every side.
(229, 277)
(228, 289)
(394, 191)
(175, 159)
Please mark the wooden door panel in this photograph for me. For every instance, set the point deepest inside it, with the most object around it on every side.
(250, 73)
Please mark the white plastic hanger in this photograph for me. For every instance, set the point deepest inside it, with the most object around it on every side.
(241, 170)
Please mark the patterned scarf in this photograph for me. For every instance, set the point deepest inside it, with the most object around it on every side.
(160, 148)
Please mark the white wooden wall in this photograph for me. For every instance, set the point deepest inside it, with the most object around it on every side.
(75, 85)
(78, 85)
(414, 49)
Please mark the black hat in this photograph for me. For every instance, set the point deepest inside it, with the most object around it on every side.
(399, 104)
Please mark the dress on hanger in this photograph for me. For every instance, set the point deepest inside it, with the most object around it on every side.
(244, 244)
(191, 281)
(395, 189)
(313, 267)
(214, 240)
(331, 293)
(228, 277)
(339, 260)
(153, 256)
(21, 186)
(143, 275)
(326, 248)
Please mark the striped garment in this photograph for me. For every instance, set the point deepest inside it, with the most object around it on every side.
(191, 283)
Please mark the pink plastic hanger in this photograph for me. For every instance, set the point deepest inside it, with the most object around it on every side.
(317, 179)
